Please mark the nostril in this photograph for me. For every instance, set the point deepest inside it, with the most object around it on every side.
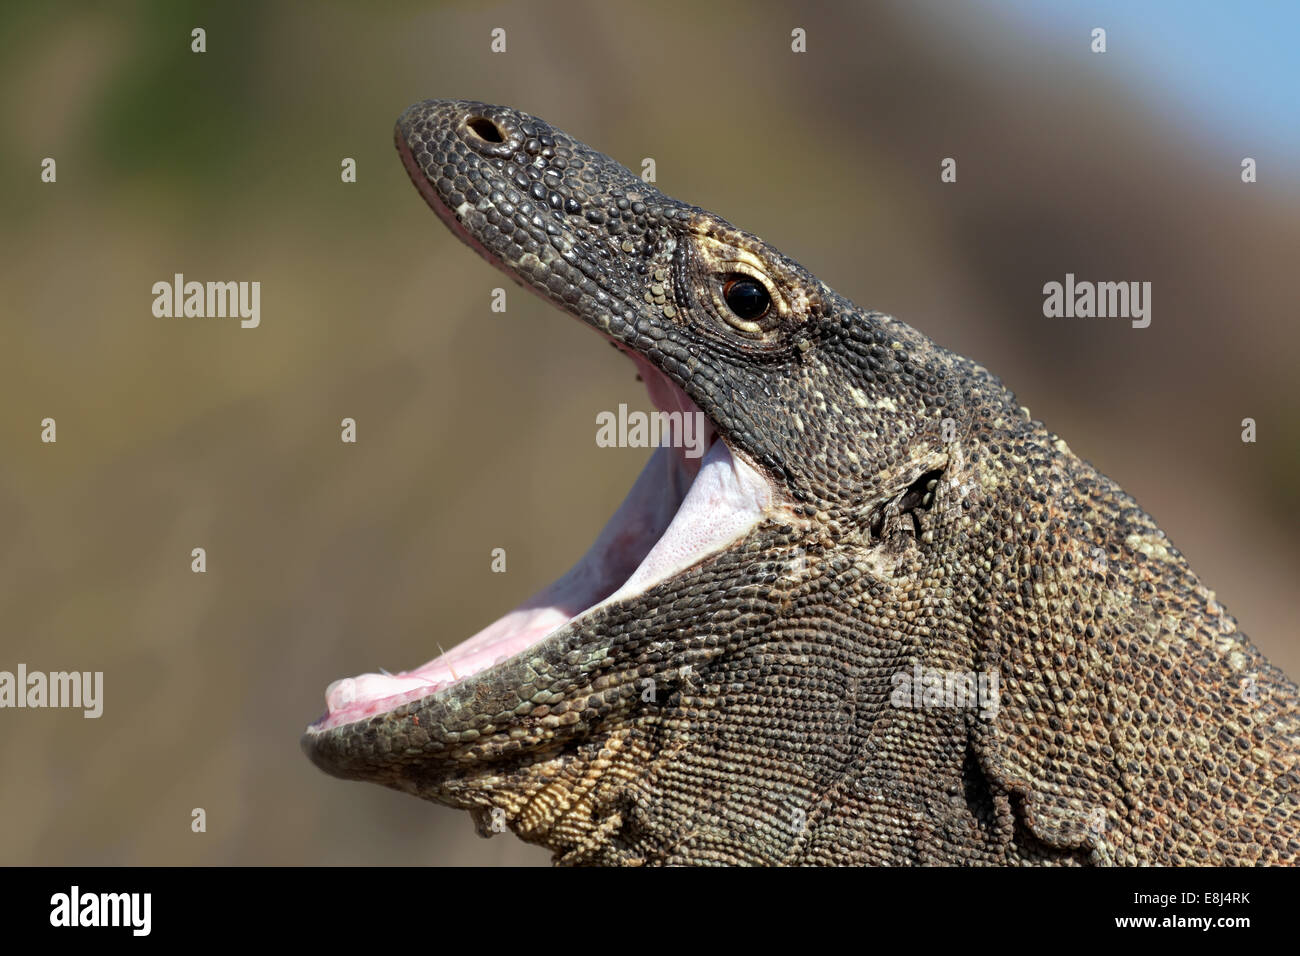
(485, 129)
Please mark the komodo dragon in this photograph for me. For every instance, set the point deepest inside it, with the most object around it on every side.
(887, 618)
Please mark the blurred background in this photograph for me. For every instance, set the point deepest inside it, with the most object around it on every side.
(476, 429)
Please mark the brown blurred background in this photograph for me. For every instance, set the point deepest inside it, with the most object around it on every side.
(476, 430)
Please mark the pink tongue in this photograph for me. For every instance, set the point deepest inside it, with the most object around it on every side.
(505, 637)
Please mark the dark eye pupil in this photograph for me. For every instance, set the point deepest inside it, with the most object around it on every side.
(747, 298)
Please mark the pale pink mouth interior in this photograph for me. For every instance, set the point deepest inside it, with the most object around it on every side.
(680, 510)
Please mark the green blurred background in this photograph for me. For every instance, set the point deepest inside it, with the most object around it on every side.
(476, 430)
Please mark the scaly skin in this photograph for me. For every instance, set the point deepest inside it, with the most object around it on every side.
(922, 518)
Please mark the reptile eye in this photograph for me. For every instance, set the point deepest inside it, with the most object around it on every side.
(746, 297)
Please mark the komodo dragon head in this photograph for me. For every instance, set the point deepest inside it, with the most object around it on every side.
(875, 613)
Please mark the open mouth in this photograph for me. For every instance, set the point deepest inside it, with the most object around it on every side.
(683, 508)
(680, 511)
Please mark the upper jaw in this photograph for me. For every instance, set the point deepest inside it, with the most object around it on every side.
(563, 221)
